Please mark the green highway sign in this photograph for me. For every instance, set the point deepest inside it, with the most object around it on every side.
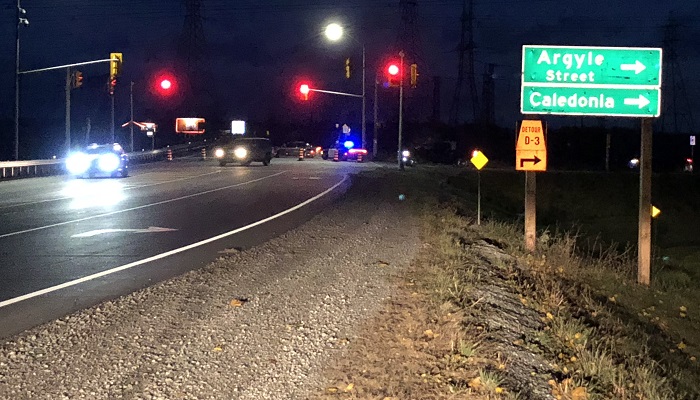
(604, 66)
(591, 101)
(573, 80)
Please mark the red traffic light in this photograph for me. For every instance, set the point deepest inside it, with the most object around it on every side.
(393, 78)
(166, 84)
(393, 69)
(304, 89)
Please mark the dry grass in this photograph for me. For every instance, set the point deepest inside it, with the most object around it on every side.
(593, 332)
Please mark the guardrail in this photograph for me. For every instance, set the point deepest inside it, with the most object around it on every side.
(36, 168)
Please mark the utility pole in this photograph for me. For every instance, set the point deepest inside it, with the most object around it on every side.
(131, 113)
(20, 21)
(87, 131)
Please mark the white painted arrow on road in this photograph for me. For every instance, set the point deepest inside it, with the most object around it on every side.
(640, 101)
(151, 229)
(637, 67)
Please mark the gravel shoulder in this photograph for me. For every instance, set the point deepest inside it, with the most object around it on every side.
(257, 324)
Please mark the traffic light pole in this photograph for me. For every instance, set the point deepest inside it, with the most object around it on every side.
(398, 153)
(376, 105)
(68, 87)
(364, 101)
(67, 67)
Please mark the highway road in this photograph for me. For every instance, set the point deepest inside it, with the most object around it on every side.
(66, 244)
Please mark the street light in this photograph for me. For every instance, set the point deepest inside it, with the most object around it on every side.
(21, 12)
(334, 32)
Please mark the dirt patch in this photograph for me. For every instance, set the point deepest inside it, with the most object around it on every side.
(406, 352)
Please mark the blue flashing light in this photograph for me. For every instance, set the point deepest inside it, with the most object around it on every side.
(349, 144)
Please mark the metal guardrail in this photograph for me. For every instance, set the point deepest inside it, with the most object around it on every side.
(36, 168)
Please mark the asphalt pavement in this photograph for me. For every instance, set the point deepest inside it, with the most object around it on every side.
(67, 243)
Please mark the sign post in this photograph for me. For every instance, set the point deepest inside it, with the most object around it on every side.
(531, 156)
(479, 160)
(607, 81)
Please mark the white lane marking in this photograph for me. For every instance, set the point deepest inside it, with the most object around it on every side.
(167, 253)
(29, 203)
(189, 196)
(150, 229)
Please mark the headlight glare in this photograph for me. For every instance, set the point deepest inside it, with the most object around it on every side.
(240, 152)
(108, 162)
(219, 153)
(77, 163)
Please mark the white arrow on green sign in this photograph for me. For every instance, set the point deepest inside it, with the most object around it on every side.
(573, 80)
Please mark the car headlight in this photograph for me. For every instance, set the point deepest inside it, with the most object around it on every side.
(108, 162)
(240, 152)
(218, 153)
(77, 163)
(406, 153)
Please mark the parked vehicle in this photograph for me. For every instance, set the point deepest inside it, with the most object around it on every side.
(293, 149)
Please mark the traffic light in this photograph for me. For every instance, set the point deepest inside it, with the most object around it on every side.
(166, 84)
(115, 69)
(347, 68)
(112, 84)
(414, 75)
(393, 75)
(304, 90)
(77, 79)
(115, 64)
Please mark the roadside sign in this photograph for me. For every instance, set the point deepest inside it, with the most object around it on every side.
(531, 150)
(655, 212)
(479, 159)
(692, 140)
(573, 80)
(591, 101)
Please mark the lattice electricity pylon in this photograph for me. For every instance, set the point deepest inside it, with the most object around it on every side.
(465, 69)
(677, 115)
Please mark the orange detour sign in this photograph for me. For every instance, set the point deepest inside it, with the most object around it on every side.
(531, 151)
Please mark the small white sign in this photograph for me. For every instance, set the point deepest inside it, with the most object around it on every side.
(692, 140)
(346, 129)
(238, 127)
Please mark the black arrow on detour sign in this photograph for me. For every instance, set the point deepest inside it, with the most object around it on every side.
(534, 161)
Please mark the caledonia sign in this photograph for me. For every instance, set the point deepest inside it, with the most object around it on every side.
(591, 81)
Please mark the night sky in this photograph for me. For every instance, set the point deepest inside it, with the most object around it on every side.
(257, 50)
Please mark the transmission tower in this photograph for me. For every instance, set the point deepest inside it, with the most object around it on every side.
(488, 97)
(466, 65)
(408, 39)
(192, 42)
(677, 113)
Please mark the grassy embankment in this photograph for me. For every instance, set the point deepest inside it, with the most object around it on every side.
(574, 306)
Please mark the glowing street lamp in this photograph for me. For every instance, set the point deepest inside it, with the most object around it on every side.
(334, 32)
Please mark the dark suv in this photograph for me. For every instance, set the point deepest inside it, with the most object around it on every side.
(244, 150)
